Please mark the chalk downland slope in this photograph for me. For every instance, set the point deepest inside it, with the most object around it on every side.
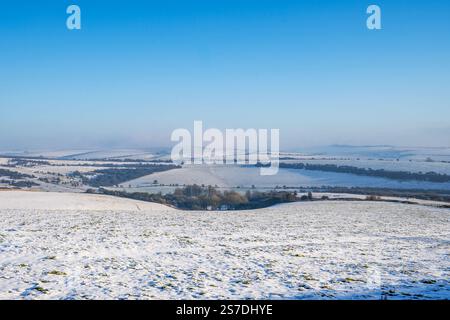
(318, 250)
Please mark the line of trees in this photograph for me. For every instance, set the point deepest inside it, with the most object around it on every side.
(114, 177)
(194, 197)
(381, 173)
(26, 163)
(19, 184)
(14, 174)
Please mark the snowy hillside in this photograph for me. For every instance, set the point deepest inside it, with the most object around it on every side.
(88, 248)
(24, 200)
(230, 176)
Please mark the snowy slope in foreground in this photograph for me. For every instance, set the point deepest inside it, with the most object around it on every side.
(319, 250)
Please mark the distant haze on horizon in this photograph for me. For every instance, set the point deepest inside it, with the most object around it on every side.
(137, 70)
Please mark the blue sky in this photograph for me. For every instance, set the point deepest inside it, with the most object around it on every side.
(139, 69)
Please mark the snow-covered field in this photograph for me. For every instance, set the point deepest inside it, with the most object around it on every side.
(87, 246)
(231, 176)
(30, 200)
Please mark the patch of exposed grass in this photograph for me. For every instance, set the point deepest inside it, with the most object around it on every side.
(57, 273)
(348, 280)
(428, 281)
(299, 255)
(40, 289)
(308, 277)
